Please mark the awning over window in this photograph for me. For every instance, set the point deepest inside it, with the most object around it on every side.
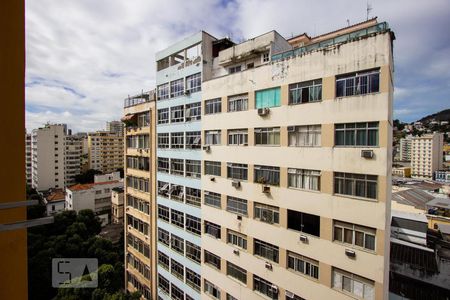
(128, 117)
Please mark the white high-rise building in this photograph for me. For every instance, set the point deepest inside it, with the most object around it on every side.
(405, 148)
(28, 158)
(426, 155)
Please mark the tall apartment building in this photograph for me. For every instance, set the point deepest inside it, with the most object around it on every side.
(426, 155)
(140, 194)
(297, 151)
(48, 157)
(105, 151)
(181, 69)
(28, 161)
(115, 126)
(405, 148)
(72, 158)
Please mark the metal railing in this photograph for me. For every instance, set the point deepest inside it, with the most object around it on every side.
(381, 27)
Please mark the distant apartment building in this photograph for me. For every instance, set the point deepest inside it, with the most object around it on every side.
(55, 202)
(72, 158)
(48, 157)
(140, 194)
(426, 155)
(401, 171)
(95, 196)
(296, 169)
(115, 127)
(117, 207)
(28, 159)
(105, 151)
(405, 148)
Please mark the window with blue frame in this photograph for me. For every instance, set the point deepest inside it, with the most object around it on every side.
(268, 98)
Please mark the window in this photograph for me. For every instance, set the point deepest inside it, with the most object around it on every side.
(163, 91)
(211, 289)
(163, 116)
(303, 222)
(163, 140)
(265, 57)
(302, 264)
(212, 199)
(229, 297)
(237, 171)
(304, 136)
(268, 98)
(193, 111)
(177, 166)
(211, 259)
(236, 239)
(355, 235)
(163, 236)
(212, 168)
(212, 137)
(177, 87)
(267, 136)
(267, 175)
(163, 188)
(234, 69)
(238, 137)
(266, 250)
(177, 114)
(359, 83)
(177, 218)
(213, 106)
(237, 205)
(143, 119)
(356, 134)
(176, 293)
(193, 168)
(163, 213)
(163, 164)
(193, 252)
(177, 140)
(266, 213)
(193, 140)
(176, 192)
(353, 284)
(305, 92)
(238, 103)
(163, 260)
(193, 279)
(236, 272)
(193, 224)
(193, 196)
(212, 229)
(163, 283)
(194, 83)
(358, 185)
(177, 244)
(304, 179)
(177, 269)
(264, 287)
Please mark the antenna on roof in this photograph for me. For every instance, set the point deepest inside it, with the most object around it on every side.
(368, 9)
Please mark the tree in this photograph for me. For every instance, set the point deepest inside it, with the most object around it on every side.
(87, 177)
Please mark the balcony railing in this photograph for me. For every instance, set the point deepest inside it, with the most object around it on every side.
(145, 97)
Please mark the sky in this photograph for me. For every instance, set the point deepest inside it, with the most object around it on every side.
(83, 57)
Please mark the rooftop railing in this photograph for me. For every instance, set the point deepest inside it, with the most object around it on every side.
(145, 97)
(380, 27)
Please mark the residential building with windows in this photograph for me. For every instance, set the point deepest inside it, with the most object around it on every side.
(140, 194)
(105, 151)
(73, 148)
(55, 202)
(117, 206)
(28, 160)
(426, 155)
(115, 127)
(181, 70)
(296, 169)
(405, 148)
(48, 157)
(94, 196)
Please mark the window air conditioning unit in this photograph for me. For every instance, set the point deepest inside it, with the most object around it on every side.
(274, 289)
(367, 153)
(291, 128)
(187, 92)
(303, 238)
(236, 252)
(236, 183)
(350, 253)
(289, 295)
(269, 266)
(212, 179)
(239, 218)
(263, 111)
(266, 189)
(207, 148)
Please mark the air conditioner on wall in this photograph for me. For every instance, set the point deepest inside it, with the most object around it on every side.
(289, 295)
(236, 183)
(350, 253)
(303, 238)
(269, 266)
(236, 252)
(266, 189)
(263, 111)
(207, 148)
(367, 153)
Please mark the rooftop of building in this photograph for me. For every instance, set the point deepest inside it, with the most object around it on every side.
(55, 195)
(88, 186)
(118, 189)
(416, 196)
(143, 97)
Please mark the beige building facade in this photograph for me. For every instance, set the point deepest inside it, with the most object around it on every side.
(139, 195)
(105, 151)
(296, 167)
(426, 155)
